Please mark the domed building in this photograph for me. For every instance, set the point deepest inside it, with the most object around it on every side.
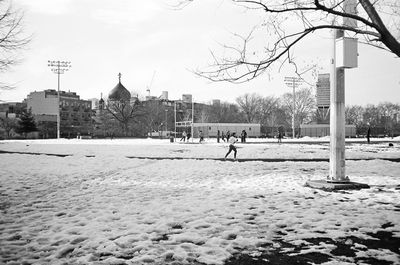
(119, 92)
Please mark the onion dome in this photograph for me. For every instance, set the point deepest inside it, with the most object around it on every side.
(119, 92)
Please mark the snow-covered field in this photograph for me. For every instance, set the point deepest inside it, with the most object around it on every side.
(155, 202)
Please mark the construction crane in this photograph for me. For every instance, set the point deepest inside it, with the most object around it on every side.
(151, 83)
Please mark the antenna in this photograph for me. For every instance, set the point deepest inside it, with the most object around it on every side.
(151, 83)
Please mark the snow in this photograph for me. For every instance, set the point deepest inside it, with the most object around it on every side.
(98, 205)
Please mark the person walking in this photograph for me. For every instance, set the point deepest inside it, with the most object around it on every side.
(232, 141)
(201, 136)
(183, 136)
(228, 134)
(279, 136)
(223, 136)
(369, 133)
(244, 136)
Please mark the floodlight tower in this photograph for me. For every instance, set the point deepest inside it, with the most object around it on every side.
(58, 67)
(293, 82)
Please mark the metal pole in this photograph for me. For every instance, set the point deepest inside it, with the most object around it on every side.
(294, 107)
(58, 100)
(337, 164)
(58, 67)
(192, 119)
(175, 122)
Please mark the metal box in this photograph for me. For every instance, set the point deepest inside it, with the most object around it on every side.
(346, 52)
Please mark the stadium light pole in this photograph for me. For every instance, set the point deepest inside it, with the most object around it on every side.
(293, 82)
(58, 67)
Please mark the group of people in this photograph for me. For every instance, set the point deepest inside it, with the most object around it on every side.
(230, 138)
(185, 136)
(228, 135)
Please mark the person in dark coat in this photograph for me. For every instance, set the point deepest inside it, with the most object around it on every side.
(201, 136)
(223, 136)
(368, 134)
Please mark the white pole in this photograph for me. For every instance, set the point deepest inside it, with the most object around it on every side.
(294, 107)
(337, 164)
(175, 122)
(58, 100)
(192, 119)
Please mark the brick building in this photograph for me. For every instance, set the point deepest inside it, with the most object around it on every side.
(75, 113)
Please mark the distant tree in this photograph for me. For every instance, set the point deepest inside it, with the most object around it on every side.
(153, 115)
(250, 105)
(47, 129)
(12, 37)
(372, 115)
(225, 112)
(388, 112)
(304, 105)
(382, 118)
(203, 115)
(268, 108)
(105, 124)
(8, 125)
(126, 113)
(354, 115)
(26, 123)
(288, 23)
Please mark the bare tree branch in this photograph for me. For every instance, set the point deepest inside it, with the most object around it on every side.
(243, 64)
(12, 37)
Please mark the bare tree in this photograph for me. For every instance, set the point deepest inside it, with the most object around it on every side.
(377, 25)
(125, 113)
(354, 115)
(154, 113)
(8, 125)
(267, 110)
(225, 113)
(250, 104)
(12, 37)
(304, 105)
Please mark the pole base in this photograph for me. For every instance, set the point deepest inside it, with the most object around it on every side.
(330, 186)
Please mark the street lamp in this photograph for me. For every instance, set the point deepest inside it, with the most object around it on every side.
(58, 67)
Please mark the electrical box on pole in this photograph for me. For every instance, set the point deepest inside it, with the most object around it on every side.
(346, 53)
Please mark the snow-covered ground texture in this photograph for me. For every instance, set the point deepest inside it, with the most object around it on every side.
(140, 202)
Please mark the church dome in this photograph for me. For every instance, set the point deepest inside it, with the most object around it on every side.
(119, 92)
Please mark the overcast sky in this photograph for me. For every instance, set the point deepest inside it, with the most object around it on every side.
(138, 38)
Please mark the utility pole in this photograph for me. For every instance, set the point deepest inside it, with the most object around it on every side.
(293, 82)
(58, 67)
(192, 119)
(344, 56)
